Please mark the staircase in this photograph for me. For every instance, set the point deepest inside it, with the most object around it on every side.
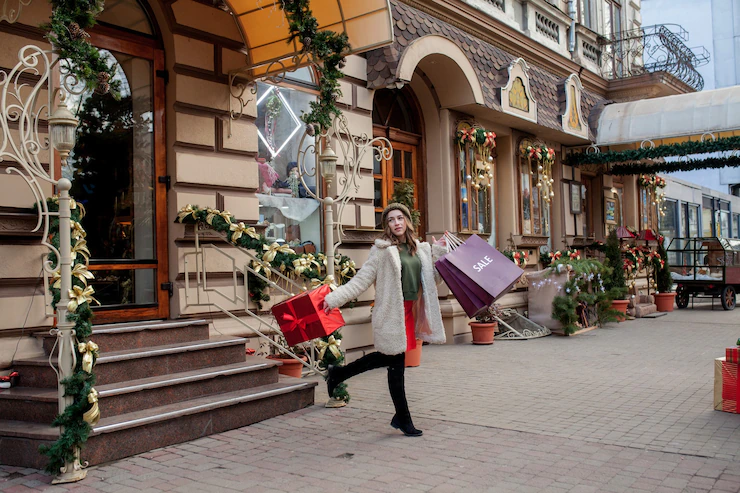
(159, 383)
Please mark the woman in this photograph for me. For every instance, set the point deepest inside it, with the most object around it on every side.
(406, 306)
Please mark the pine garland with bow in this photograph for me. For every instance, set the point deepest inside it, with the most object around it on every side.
(274, 257)
(78, 418)
(327, 50)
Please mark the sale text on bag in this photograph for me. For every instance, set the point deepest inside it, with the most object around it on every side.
(482, 264)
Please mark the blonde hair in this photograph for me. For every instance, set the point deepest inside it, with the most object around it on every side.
(409, 236)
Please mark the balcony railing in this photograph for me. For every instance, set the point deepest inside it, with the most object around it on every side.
(658, 48)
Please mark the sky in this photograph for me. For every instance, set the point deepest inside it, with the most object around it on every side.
(695, 16)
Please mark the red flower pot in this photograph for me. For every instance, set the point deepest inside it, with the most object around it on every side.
(483, 332)
(664, 301)
(621, 306)
(290, 366)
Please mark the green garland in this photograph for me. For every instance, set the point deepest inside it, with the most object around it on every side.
(584, 289)
(69, 20)
(614, 281)
(327, 50)
(631, 162)
(274, 257)
(77, 417)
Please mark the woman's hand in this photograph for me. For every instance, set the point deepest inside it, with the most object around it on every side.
(440, 242)
(324, 306)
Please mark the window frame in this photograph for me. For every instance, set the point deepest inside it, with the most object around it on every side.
(524, 161)
(467, 184)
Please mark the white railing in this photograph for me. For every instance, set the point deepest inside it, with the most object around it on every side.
(198, 295)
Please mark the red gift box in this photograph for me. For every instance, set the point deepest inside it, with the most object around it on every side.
(729, 387)
(732, 354)
(301, 319)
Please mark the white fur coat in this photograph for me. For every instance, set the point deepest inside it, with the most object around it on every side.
(383, 267)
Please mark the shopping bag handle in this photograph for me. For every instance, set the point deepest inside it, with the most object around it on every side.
(452, 241)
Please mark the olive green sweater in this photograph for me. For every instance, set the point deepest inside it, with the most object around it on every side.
(410, 273)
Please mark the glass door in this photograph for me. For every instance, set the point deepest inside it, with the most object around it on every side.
(114, 170)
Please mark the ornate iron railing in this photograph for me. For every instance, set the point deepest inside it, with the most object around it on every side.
(659, 48)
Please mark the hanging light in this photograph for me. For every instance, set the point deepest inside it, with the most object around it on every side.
(63, 130)
(328, 161)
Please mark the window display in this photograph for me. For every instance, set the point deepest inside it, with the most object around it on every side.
(535, 193)
(476, 156)
(286, 206)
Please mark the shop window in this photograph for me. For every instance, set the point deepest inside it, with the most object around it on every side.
(668, 221)
(693, 220)
(736, 225)
(388, 173)
(534, 207)
(707, 217)
(476, 165)
(724, 219)
(286, 206)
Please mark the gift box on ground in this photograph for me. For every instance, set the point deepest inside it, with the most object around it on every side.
(301, 319)
(727, 374)
(732, 354)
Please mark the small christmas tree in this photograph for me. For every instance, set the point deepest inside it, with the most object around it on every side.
(614, 282)
(403, 193)
(663, 278)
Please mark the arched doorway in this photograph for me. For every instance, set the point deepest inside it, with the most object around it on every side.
(396, 117)
(118, 169)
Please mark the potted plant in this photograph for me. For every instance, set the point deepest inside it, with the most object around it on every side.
(614, 282)
(485, 325)
(664, 298)
(290, 366)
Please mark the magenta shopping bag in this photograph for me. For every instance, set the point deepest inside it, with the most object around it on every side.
(463, 290)
(481, 270)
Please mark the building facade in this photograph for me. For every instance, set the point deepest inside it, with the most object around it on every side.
(532, 73)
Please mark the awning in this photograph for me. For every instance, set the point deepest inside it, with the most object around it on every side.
(367, 23)
(671, 119)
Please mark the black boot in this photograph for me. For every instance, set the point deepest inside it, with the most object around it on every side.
(338, 374)
(402, 419)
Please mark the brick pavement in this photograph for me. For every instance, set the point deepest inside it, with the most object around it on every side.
(622, 408)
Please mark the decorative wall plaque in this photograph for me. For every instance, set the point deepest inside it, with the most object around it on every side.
(572, 120)
(516, 95)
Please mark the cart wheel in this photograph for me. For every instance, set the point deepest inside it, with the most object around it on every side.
(682, 297)
(728, 297)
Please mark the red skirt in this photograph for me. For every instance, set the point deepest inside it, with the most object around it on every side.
(408, 308)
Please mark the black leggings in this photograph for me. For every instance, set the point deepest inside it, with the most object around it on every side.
(396, 366)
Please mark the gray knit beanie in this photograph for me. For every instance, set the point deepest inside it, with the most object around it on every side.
(396, 206)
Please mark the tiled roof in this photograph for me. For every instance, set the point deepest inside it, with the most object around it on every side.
(487, 60)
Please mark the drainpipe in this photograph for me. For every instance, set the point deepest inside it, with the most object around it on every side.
(572, 32)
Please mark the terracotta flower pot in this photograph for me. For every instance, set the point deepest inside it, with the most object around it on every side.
(483, 332)
(664, 301)
(621, 306)
(413, 357)
(290, 366)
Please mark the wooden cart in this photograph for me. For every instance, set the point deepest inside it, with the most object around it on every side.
(707, 267)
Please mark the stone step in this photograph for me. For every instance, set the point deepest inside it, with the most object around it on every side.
(119, 337)
(128, 434)
(134, 364)
(40, 405)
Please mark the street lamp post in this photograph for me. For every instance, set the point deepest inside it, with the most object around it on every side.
(62, 130)
(317, 156)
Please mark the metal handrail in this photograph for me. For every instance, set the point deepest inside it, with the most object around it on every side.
(193, 299)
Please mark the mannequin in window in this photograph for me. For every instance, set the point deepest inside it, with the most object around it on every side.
(287, 185)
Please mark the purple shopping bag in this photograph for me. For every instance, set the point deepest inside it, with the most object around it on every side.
(461, 289)
(484, 267)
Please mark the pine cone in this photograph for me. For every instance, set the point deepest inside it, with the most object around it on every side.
(307, 42)
(103, 88)
(76, 32)
(103, 77)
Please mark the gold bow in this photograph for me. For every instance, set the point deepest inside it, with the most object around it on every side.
(73, 204)
(322, 258)
(348, 266)
(328, 280)
(79, 296)
(258, 266)
(78, 232)
(272, 250)
(300, 265)
(214, 213)
(332, 345)
(80, 249)
(89, 351)
(185, 212)
(240, 229)
(79, 271)
(92, 416)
